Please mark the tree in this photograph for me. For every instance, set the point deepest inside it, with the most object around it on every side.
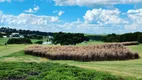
(140, 38)
(68, 38)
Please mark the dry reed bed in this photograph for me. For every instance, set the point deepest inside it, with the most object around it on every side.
(83, 53)
(130, 43)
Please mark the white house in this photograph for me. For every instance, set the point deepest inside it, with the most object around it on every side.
(16, 35)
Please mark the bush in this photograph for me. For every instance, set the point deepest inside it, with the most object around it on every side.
(51, 71)
(140, 39)
(19, 41)
(39, 42)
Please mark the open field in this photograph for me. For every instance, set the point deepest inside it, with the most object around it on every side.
(131, 68)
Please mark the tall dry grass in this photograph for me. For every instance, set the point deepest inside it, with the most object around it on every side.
(130, 43)
(83, 53)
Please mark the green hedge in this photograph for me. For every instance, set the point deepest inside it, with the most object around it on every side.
(19, 41)
(51, 71)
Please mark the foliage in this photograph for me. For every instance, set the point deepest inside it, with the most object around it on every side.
(140, 38)
(94, 37)
(33, 36)
(19, 41)
(68, 38)
(111, 38)
(50, 71)
(123, 37)
(83, 53)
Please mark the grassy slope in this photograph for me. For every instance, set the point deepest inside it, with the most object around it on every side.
(10, 49)
(123, 68)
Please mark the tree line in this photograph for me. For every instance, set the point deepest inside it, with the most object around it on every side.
(27, 33)
(136, 36)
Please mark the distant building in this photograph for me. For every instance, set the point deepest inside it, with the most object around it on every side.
(47, 43)
(50, 37)
(4, 36)
(16, 35)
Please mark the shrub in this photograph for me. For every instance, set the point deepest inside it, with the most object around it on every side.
(83, 53)
(140, 39)
(51, 71)
(19, 41)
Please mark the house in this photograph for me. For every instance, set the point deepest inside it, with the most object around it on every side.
(16, 35)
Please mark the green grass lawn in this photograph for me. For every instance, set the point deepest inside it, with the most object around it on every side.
(3, 40)
(35, 40)
(131, 68)
(4, 51)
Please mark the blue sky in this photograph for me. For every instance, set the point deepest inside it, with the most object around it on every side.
(83, 16)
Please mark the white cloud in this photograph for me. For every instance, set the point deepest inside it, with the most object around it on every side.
(29, 21)
(36, 8)
(60, 13)
(55, 11)
(54, 19)
(30, 10)
(26, 19)
(135, 15)
(103, 16)
(94, 2)
(10, 0)
(5, 0)
(135, 19)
